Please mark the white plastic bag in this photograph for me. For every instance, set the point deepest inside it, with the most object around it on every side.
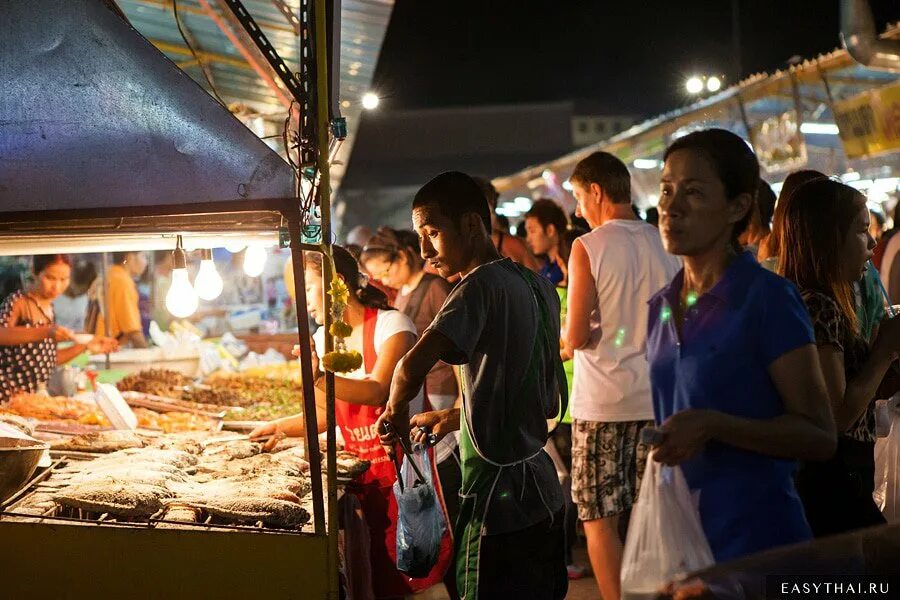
(665, 538)
(887, 469)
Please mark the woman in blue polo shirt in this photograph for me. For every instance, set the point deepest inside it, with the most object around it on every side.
(737, 386)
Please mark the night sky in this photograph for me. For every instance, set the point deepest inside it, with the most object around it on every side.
(629, 57)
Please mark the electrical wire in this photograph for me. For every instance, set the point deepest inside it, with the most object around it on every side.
(196, 56)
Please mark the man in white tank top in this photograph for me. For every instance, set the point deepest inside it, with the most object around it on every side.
(613, 272)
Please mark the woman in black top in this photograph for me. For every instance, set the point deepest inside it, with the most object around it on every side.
(29, 333)
(825, 248)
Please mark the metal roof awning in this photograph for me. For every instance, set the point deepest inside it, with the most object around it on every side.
(829, 77)
(93, 118)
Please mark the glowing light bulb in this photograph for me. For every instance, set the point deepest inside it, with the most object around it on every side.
(370, 101)
(714, 84)
(181, 300)
(254, 260)
(208, 283)
(694, 85)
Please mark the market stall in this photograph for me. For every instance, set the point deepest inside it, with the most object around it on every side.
(125, 151)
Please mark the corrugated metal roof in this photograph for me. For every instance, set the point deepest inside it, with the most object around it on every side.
(363, 25)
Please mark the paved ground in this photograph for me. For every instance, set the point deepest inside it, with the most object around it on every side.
(583, 589)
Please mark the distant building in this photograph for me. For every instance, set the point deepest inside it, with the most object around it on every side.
(397, 151)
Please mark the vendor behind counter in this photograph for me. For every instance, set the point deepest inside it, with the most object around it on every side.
(29, 334)
(121, 306)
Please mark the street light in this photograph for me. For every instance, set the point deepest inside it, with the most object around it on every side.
(694, 85)
(713, 84)
(370, 101)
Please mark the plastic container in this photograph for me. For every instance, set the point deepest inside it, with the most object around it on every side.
(113, 405)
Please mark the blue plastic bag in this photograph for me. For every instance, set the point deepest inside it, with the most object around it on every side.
(420, 517)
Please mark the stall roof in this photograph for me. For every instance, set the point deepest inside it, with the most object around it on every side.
(762, 95)
(96, 118)
(363, 26)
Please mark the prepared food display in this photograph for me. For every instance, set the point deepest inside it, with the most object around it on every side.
(182, 480)
(160, 382)
(273, 398)
(71, 415)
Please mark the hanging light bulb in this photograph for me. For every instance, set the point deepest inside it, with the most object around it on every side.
(208, 282)
(181, 300)
(254, 260)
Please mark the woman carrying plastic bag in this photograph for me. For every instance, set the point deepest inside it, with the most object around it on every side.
(887, 461)
(665, 538)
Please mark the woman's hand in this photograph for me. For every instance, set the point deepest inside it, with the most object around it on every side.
(61, 334)
(684, 435)
(278, 430)
(439, 422)
(315, 357)
(102, 345)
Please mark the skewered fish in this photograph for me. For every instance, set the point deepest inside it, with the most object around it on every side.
(121, 499)
(100, 441)
(251, 509)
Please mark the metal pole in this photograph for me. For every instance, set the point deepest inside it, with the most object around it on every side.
(745, 119)
(313, 454)
(322, 105)
(103, 300)
(736, 39)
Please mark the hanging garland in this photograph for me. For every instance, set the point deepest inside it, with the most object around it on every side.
(340, 360)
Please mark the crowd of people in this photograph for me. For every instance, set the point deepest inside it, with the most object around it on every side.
(749, 329)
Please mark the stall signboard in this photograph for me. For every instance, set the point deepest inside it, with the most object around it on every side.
(779, 144)
(869, 123)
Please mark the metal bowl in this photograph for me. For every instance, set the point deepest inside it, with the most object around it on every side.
(18, 461)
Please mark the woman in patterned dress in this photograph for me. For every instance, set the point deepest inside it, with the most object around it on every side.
(827, 246)
(29, 333)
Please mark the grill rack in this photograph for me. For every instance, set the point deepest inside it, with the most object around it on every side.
(79, 516)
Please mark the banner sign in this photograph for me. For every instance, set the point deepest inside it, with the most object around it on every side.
(778, 143)
(869, 123)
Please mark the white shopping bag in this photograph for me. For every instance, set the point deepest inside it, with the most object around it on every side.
(665, 538)
(887, 469)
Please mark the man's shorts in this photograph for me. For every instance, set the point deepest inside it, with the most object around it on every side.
(607, 466)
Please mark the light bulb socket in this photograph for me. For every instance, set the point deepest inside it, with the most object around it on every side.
(178, 256)
(206, 254)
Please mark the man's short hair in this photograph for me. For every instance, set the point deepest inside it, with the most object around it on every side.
(547, 212)
(608, 172)
(454, 194)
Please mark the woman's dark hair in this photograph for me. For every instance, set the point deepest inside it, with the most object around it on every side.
(817, 218)
(41, 261)
(765, 200)
(490, 192)
(791, 183)
(547, 212)
(389, 244)
(347, 267)
(572, 234)
(733, 161)
(83, 275)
